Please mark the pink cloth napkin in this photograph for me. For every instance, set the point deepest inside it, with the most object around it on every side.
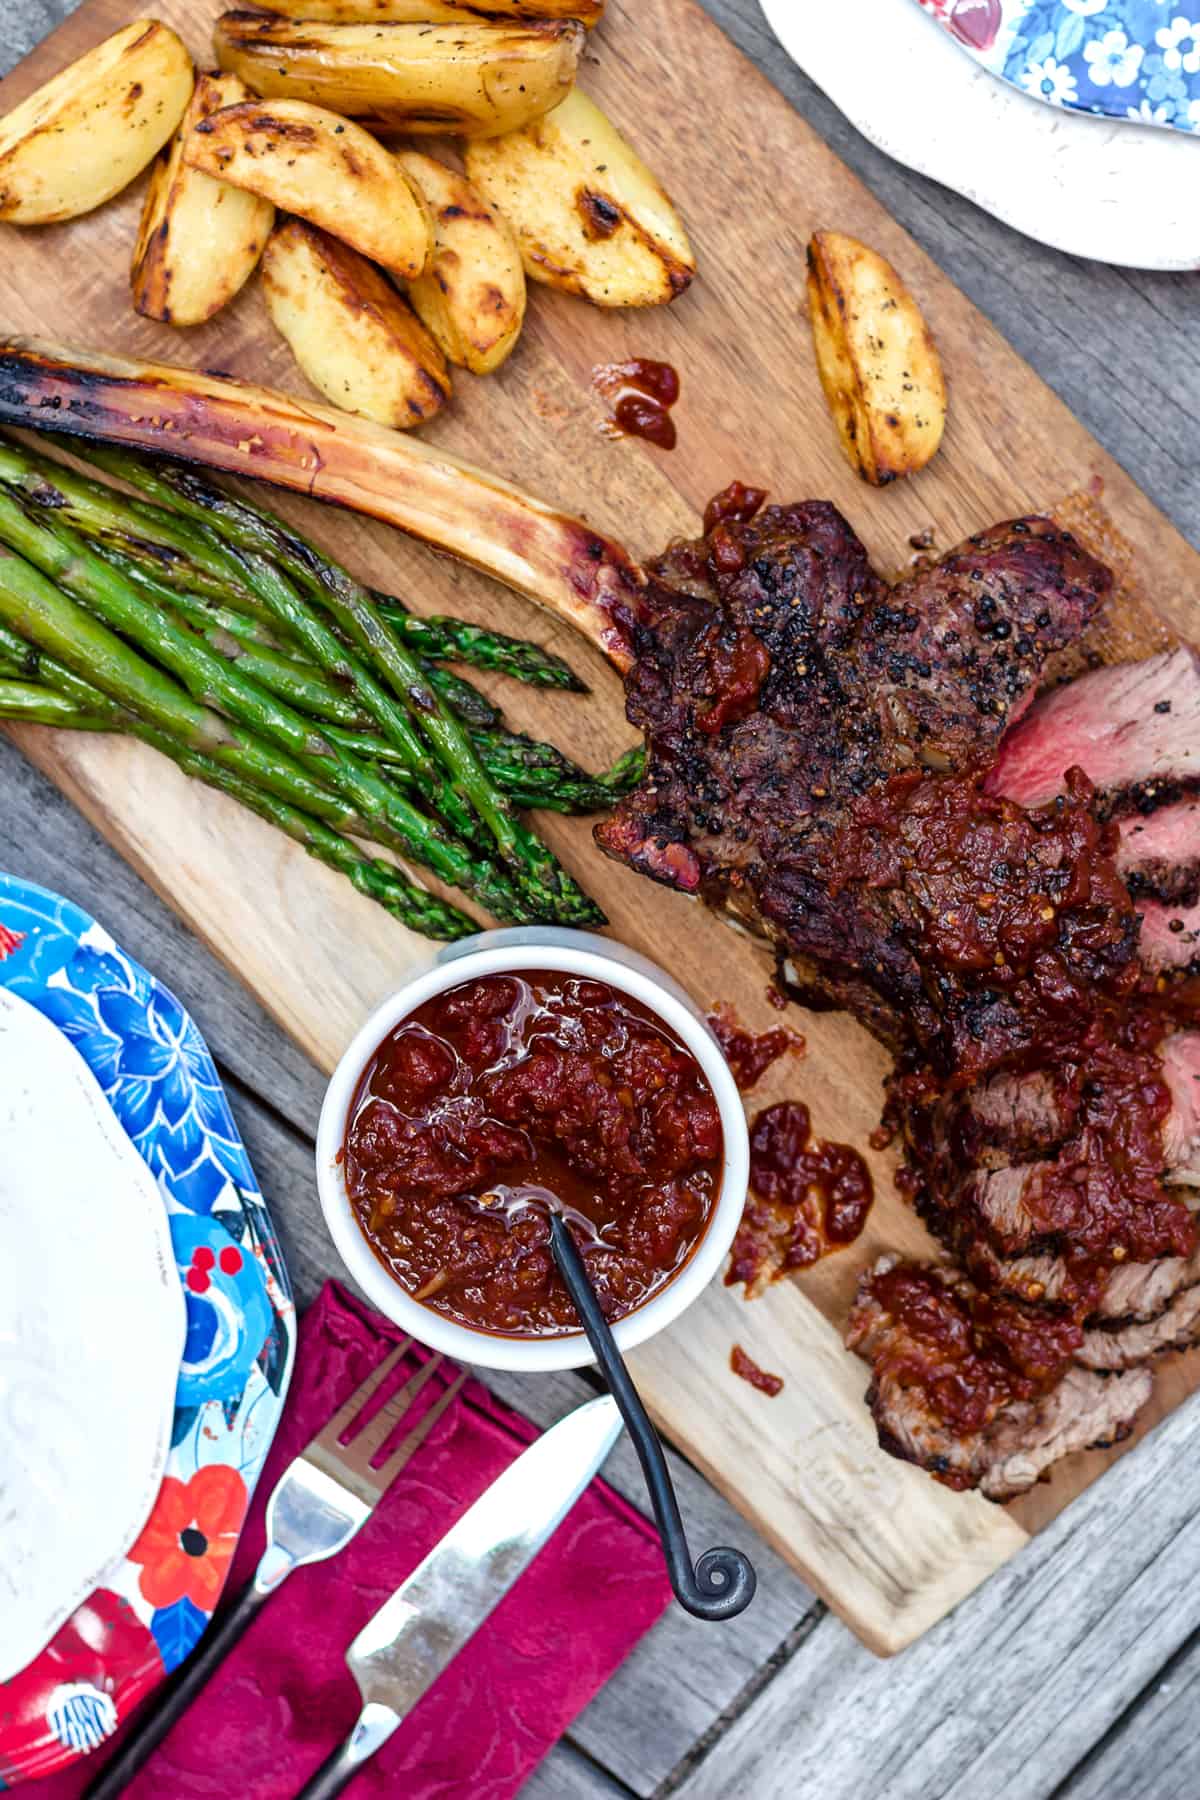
(284, 1698)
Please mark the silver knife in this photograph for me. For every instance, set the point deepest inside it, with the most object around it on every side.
(399, 1654)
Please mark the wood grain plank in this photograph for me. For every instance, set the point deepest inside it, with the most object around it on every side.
(1002, 1699)
(884, 1545)
(568, 1775)
(1154, 1753)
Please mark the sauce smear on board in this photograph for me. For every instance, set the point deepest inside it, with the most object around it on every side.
(509, 1097)
(751, 1053)
(639, 395)
(743, 1364)
(807, 1198)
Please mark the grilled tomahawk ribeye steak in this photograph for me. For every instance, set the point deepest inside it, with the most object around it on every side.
(826, 764)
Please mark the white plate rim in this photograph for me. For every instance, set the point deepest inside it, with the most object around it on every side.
(1093, 187)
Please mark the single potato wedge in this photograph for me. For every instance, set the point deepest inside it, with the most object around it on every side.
(199, 239)
(328, 170)
(82, 137)
(352, 334)
(474, 79)
(472, 298)
(437, 12)
(589, 216)
(878, 364)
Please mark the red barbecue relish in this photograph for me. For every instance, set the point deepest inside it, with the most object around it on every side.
(748, 1053)
(506, 1096)
(1023, 912)
(737, 665)
(807, 1198)
(737, 502)
(744, 1365)
(639, 395)
(1105, 1193)
(970, 1353)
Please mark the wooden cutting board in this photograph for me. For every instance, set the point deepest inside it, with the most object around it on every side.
(889, 1549)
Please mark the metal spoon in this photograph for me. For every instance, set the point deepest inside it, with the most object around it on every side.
(723, 1581)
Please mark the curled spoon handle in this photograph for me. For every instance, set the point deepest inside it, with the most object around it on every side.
(722, 1582)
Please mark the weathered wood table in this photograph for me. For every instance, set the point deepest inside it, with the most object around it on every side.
(1073, 1671)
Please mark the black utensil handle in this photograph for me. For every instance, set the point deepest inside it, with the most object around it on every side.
(375, 1725)
(178, 1695)
(334, 1775)
(723, 1581)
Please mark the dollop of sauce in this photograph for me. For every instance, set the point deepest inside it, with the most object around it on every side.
(737, 662)
(505, 1098)
(744, 1365)
(1019, 916)
(639, 395)
(735, 504)
(807, 1198)
(750, 1054)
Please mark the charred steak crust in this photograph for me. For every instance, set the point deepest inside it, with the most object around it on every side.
(862, 680)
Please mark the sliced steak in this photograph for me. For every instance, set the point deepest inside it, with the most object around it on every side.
(1041, 1279)
(1181, 1133)
(1137, 1291)
(1170, 938)
(1133, 728)
(1015, 1114)
(1002, 1204)
(817, 745)
(1141, 1291)
(965, 1388)
(1086, 1411)
(1159, 853)
(1176, 1327)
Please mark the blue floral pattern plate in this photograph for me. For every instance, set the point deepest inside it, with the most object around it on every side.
(1126, 59)
(159, 1079)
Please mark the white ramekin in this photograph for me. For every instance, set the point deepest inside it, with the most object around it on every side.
(493, 953)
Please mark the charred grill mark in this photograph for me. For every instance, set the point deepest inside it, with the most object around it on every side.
(1176, 884)
(601, 216)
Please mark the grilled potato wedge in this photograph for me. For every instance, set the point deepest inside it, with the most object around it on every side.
(589, 216)
(82, 137)
(328, 170)
(878, 364)
(437, 12)
(199, 239)
(475, 79)
(471, 300)
(352, 334)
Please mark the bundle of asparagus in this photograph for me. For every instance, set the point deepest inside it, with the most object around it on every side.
(212, 630)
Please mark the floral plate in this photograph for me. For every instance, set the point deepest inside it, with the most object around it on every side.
(1126, 59)
(1116, 192)
(159, 1079)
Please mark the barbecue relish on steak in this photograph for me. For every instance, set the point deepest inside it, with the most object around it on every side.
(514, 1095)
(1017, 920)
(818, 744)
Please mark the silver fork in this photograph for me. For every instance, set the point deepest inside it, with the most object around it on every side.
(320, 1502)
